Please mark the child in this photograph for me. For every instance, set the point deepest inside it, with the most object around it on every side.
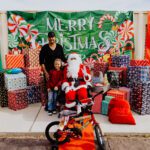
(53, 85)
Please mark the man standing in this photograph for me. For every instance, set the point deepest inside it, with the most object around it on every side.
(49, 53)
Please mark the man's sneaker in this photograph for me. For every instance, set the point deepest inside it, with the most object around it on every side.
(50, 113)
(54, 111)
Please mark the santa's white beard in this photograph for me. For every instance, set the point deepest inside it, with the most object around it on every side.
(73, 69)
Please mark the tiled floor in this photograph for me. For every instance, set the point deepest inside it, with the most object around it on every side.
(35, 119)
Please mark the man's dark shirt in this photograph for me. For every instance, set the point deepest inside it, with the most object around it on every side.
(47, 56)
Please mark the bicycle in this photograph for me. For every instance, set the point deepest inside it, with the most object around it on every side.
(75, 124)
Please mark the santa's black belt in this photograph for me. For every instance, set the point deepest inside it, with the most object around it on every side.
(75, 79)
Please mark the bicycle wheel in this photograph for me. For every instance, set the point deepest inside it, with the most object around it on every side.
(53, 135)
(99, 137)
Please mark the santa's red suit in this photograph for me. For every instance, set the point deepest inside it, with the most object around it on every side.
(76, 79)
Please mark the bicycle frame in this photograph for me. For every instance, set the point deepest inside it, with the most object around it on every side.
(71, 126)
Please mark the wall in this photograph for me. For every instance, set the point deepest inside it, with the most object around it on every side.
(140, 20)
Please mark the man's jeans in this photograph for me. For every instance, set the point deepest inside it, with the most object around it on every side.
(52, 95)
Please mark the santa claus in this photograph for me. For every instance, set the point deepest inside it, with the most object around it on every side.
(76, 80)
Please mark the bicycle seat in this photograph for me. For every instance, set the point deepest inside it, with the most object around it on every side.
(67, 113)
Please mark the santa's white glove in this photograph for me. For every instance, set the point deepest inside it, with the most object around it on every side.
(67, 89)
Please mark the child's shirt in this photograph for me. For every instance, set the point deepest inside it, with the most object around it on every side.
(55, 78)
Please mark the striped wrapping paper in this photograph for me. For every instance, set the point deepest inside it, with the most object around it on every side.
(120, 61)
(140, 97)
(33, 75)
(3, 97)
(15, 81)
(31, 58)
(33, 94)
(143, 62)
(17, 99)
(138, 73)
(14, 61)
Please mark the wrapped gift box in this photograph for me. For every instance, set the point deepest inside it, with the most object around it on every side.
(3, 97)
(108, 98)
(143, 62)
(120, 61)
(124, 73)
(127, 90)
(15, 81)
(17, 99)
(33, 94)
(117, 94)
(2, 81)
(140, 97)
(138, 73)
(43, 90)
(33, 75)
(100, 66)
(105, 104)
(14, 61)
(115, 78)
(96, 108)
(32, 58)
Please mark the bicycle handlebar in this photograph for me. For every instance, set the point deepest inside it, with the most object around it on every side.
(100, 92)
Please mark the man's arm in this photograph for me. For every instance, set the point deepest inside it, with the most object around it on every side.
(45, 72)
(63, 55)
(42, 61)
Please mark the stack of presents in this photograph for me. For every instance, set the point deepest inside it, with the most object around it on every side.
(18, 90)
(128, 80)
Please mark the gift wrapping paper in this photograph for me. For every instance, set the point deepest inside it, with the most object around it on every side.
(33, 94)
(120, 61)
(108, 98)
(31, 58)
(117, 94)
(33, 75)
(43, 91)
(105, 104)
(127, 90)
(140, 97)
(115, 78)
(143, 62)
(14, 61)
(15, 81)
(2, 80)
(124, 73)
(96, 108)
(17, 99)
(100, 66)
(138, 73)
(3, 97)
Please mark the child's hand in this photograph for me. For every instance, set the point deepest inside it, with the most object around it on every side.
(56, 88)
(48, 90)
